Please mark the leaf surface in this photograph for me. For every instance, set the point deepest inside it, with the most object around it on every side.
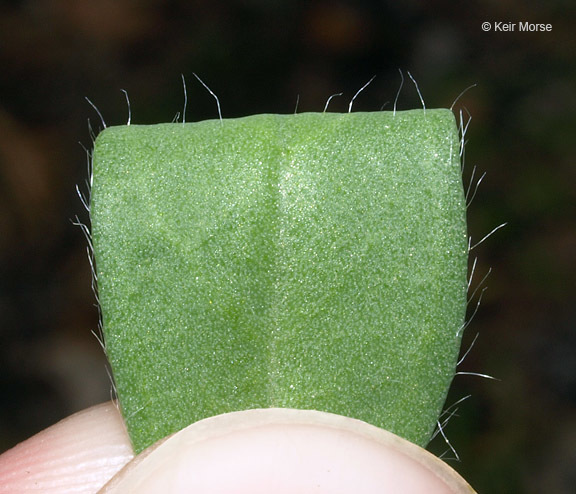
(312, 261)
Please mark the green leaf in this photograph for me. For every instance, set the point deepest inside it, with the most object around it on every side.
(312, 261)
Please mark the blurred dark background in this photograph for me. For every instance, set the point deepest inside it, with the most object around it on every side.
(513, 435)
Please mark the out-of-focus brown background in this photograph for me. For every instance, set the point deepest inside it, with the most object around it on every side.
(513, 435)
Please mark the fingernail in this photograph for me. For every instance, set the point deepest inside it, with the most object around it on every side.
(286, 451)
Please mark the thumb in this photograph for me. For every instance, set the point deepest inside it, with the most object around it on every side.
(285, 451)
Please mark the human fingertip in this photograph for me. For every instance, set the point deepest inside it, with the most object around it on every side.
(285, 451)
(78, 454)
